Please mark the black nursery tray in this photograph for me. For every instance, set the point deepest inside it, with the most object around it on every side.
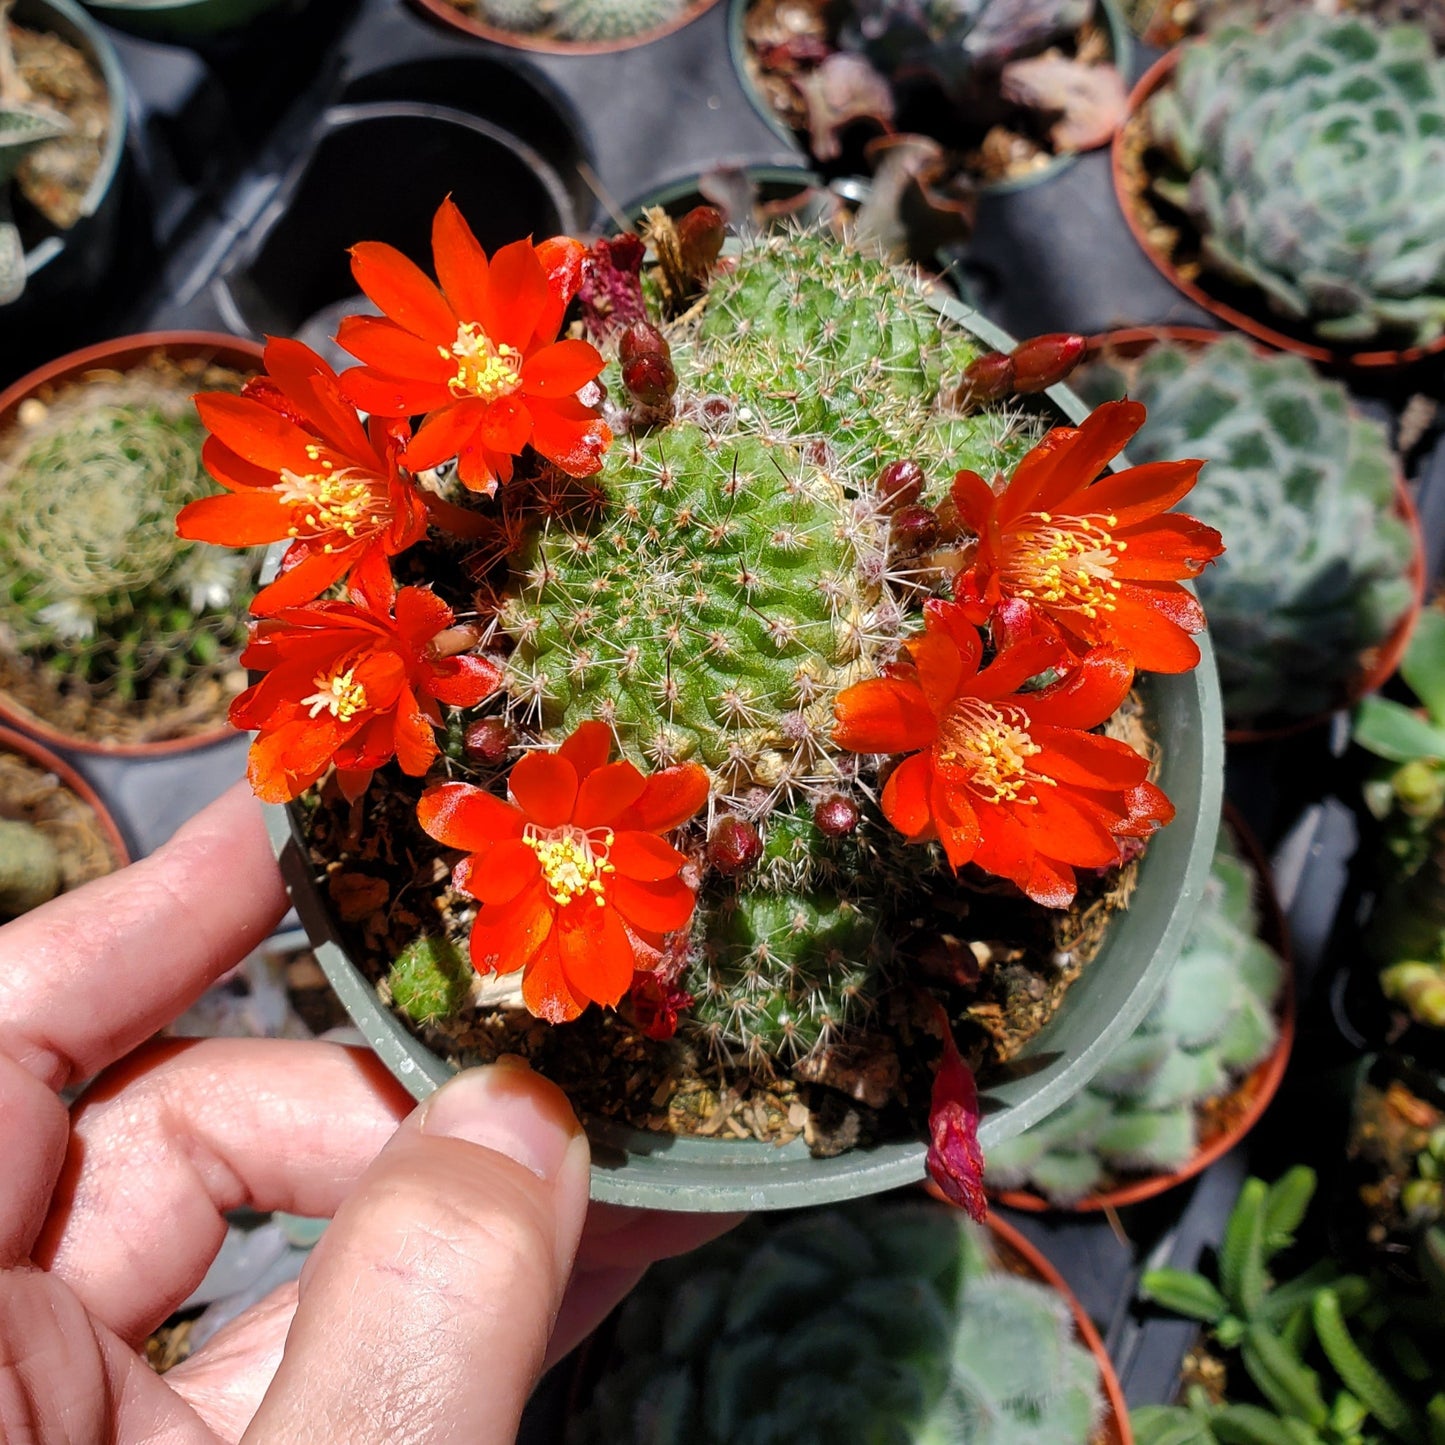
(256, 160)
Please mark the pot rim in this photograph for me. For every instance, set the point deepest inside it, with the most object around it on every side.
(1260, 1085)
(451, 16)
(1379, 662)
(120, 351)
(1153, 79)
(676, 1172)
(1121, 42)
(14, 741)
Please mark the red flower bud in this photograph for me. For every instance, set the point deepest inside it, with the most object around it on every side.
(488, 740)
(699, 240)
(656, 1005)
(1044, 361)
(914, 529)
(836, 816)
(733, 846)
(899, 483)
(640, 339)
(650, 380)
(989, 378)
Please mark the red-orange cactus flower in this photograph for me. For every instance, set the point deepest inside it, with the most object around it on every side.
(296, 462)
(1098, 558)
(351, 684)
(478, 354)
(571, 873)
(1010, 781)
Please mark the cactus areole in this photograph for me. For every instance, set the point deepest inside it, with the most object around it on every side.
(664, 726)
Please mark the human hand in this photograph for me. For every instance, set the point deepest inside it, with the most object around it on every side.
(425, 1312)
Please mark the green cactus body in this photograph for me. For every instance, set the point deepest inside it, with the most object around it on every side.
(1309, 156)
(1317, 567)
(99, 587)
(430, 979)
(877, 1324)
(594, 20)
(1212, 1024)
(29, 868)
(518, 16)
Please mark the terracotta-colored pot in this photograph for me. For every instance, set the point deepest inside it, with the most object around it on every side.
(1378, 663)
(449, 15)
(1251, 1096)
(236, 351)
(1263, 330)
(1114, 1428)
(26, 747)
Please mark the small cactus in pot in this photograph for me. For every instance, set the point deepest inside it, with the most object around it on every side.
(1321, 569)
(1300, 153)
(754, 682)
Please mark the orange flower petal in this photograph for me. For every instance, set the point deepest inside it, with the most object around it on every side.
(1087, 694)
(519, 294)
(668, 799)
(545, 989)
(420, 615)
(503, 872)
(506, 425)
(414, 736)
(464, 681)
(308, 579)
(567, 433)
(658, 907)
(461, 265)
(561, 370)
(237, 519)
(1140, 625)
(954, 818)
(508, 936)
(309, 381)
(940, 668)
(906, 794)
(403, 291)
(975, 501)
(561, 258)
(1015, 665)
(597, 955)
(1167, 549)
(1072, 830)
(544, 787)
(282, 764)
(466, 817)
(384, 395)
(644, 856)
(1069, 468)
(444, 433)
(883, 715)
(394, 351)
(234, 473)
(1050, 884)
(606, 793)
(588, 747)
(255, 432)
(1138, 493)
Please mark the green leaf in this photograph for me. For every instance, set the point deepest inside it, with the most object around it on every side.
(1391, 730)
(1359, 1374)
(1423, 665)
(1185, 1294)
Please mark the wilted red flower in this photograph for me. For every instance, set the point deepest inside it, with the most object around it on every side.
(478, 355)
(955, 1160)
(1098, 558)
(1010, 781)
(351, 684)
(296, 462)
(571, 874)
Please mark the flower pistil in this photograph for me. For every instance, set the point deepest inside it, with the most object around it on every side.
(349, 501)
(573, 861)
(992, 746)
(1065, 562)
(338, 693)
(485, 369)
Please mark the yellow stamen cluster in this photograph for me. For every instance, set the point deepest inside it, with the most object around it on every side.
(484, 368)
(1065, 562)
(573, 861)
(352, 503)
(338, 693)
(991, 745)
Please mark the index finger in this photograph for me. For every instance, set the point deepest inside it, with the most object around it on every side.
(90, 975)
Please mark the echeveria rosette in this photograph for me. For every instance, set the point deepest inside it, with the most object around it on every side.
(297, 465)
(1008, 780)
(571, 873)
(478, 354)
(1098, 560)
(352, 684)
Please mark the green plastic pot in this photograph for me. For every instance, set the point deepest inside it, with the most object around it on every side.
(181, 19)
(1121, 43)
(1100, 1010)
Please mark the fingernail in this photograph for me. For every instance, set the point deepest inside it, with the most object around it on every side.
(509, 1109)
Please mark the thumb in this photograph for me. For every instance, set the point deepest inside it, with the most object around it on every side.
(424, 1311)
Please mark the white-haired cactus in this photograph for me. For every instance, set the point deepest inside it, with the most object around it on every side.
(1141, 1112)
(29, 867)
(888, 1322)
(1308, 155)
(1317, 568)
(99, 590)
(598, 20)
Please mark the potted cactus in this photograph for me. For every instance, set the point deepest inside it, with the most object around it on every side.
(567, 27)
(114, 634)
(55, 833)
(1013, 88)
(1284, 178)
(1193, 1078)
(1328, 1355)
(891, 1320)
(1313, 603)
(758, 859)
(1167, 22)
